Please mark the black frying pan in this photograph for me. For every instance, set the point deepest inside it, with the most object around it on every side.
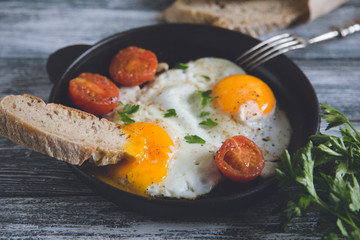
(173, 43)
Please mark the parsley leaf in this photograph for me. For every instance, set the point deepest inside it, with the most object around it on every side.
(207, 78)
(205, 97)
(181, 66)
(170, 113)
(120, 103)
(204, 114)
(194, 139)
(125, 118)
(208, 122)
(324, 175)
(130, 109)
(126, 112)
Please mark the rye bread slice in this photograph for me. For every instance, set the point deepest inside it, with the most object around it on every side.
(62, 132)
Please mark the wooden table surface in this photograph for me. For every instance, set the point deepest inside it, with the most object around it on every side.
(40, 197)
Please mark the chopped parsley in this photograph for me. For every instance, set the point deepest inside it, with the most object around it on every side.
(194, 139)
(127, 111)
(170, 113)
(207, 78)
(120, 103)
(204, 114)
(205, 97)
(181, 66)
(208, 122)
(125, 118)
(130, 109)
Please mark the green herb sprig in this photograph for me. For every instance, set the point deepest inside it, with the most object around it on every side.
(208, 122)
(325, 176)
(170, 113)
(204, 114)
(181, 66)
(205, 97)
(194, 139)
(130, 109)
(126, 112)
(207, 78)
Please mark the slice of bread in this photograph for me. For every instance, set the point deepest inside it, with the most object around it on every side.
(252, 17)
(65, 133)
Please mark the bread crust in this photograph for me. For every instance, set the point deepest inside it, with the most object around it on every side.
(29, 121)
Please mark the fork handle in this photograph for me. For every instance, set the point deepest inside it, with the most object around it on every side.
(343, 31)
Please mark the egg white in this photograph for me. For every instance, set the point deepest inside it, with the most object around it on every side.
(192, 171)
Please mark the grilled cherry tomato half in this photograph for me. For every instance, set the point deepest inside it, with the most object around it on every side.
(93, 93)
(133, 66)
(240, 159)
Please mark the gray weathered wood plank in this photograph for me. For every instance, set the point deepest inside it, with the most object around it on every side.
(105, 220)
(40, 28)
(336, 82)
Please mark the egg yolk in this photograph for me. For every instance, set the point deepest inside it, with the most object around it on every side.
(152, 147)
(235, 90)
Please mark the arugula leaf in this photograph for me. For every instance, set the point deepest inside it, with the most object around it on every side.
(125, 118)
(181, 66)
(170, 113)
(204, 114)
(208, 122)
(194, 139)
(324, 176)
(205, 97)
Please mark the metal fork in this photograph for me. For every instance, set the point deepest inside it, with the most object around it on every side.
(286, 42)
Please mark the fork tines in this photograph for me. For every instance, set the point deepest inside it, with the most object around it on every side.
(269, 49)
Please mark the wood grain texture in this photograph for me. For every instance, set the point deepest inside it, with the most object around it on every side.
(92, 216)
(41, 198)
(336, 83)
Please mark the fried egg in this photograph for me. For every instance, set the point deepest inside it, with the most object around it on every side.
(167, 165)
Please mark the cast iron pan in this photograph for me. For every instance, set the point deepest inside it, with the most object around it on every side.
(173, 43)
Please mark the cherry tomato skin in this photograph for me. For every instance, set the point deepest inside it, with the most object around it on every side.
(240, 159)
(93, 93)
(133, 66)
